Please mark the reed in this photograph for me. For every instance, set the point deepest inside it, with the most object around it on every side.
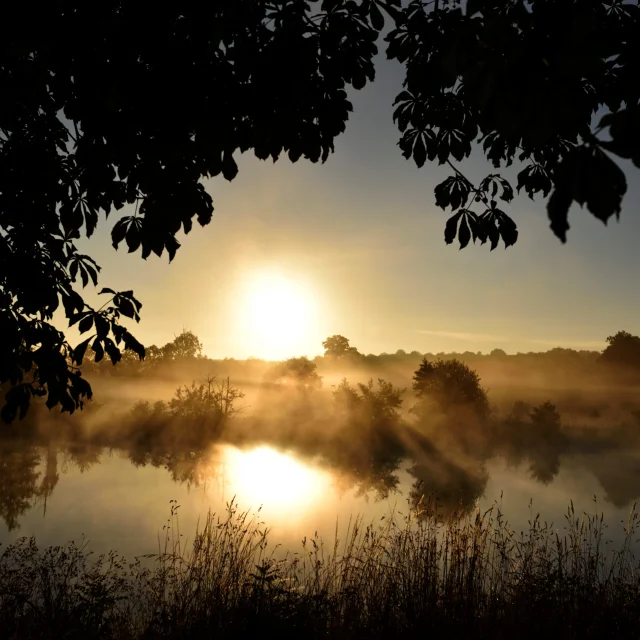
(404, 576)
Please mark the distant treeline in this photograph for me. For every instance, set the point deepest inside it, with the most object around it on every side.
(622, 353)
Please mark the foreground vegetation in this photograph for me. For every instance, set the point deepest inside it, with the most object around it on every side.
(398, 578)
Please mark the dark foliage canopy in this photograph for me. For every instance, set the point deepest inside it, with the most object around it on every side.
(113, 103)
(338, 347)
(298, 372)
(450, 385)
(623, 350)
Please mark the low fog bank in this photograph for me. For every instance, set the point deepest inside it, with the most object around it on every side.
(587, 387)
(368, 419)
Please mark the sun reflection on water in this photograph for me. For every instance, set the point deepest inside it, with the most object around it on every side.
(264, 477)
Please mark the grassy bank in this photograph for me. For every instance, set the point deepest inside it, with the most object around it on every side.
(406, 578)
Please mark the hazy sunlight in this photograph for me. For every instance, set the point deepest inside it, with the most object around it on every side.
(266, 477)
(277, 317)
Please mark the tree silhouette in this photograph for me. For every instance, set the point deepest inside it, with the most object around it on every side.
(337, 347)
(375, 409)
(450, 385)
(299, 372)
(108, 109)
(368, 450)
(184, 346)
(546, 415)
(623, 350)
(520, 411)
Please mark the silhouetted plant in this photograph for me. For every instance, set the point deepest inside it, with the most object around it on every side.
(211, 399)
(481, 73)
(183, 347)
(392, 578)
(338, 347)
(367, 450)
(623, 350)
(546, 415)
(366, 403)
(450, 385)
(297, 372)
(193, 418)
(226, 396)
(383, 404)
(473, 73)
(346, 399)
(520, 411)
(102, 145)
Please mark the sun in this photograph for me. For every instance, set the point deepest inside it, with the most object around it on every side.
(277, 316)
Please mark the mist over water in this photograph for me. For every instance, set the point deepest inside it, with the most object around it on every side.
(115, 501)
(310, 445)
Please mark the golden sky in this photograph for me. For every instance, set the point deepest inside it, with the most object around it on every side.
(356, 247)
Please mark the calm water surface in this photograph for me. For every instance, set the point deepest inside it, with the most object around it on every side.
(116, 502)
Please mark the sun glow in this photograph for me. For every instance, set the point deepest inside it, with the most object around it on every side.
(266, 477)
(277, 317)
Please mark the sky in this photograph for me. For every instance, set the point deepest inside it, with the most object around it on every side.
(298, 252)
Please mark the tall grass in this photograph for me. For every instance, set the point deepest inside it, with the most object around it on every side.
(408, 576)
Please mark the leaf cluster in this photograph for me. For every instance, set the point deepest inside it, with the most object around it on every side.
(110, 113)
(529, 82)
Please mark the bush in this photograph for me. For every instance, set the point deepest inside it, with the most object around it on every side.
(298, 372)
(367, 405)
(203, 408)
(520, 411)
(450, 384)
(546, 415)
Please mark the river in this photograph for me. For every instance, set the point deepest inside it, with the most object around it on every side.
(117, 499)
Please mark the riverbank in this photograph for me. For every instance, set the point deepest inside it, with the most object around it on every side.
(468, 574)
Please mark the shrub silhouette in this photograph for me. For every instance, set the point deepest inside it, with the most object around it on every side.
(201, 408)
(449, 385)
(545, 415)
(623, 350)
(377, 408)
(520, 411)
(367, 446)
(297, 372)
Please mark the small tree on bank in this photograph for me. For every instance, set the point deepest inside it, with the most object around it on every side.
(337, 347)
(449, 385)
(297, 372)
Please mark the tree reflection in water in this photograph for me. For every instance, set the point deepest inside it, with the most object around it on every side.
(19, 476)
(369, 458)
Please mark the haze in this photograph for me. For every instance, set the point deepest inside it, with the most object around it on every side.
(360, 242)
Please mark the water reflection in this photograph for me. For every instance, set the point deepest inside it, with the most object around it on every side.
(308, 468)
(266, 476)
(288, 482)
(19, 486)
(618, 472)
